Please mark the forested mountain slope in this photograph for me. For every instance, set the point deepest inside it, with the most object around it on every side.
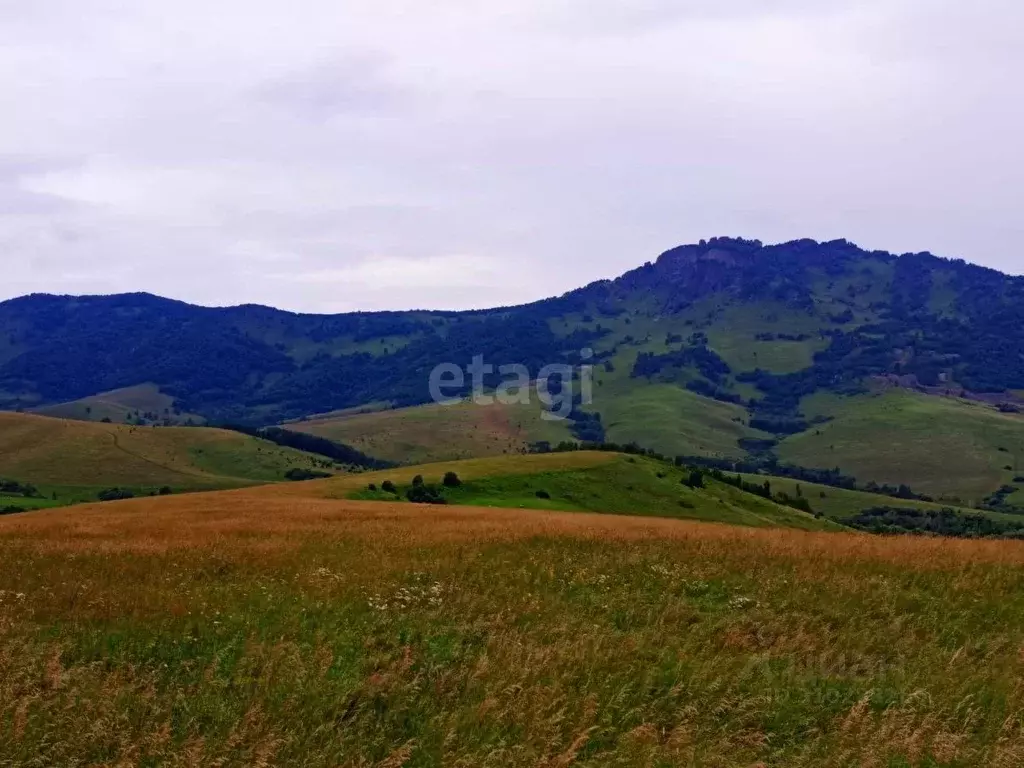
(719, 348)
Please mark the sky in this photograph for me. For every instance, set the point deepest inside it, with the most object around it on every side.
(332, 156)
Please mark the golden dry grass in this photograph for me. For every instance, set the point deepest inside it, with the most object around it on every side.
(263, 627)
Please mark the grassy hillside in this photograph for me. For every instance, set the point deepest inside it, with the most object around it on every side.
(75, 459)
(839, 503)
(260, 627)
(673, 420)
(439, 433)
(588, 481)
(144, 403)
(592, 482)
(939, 446)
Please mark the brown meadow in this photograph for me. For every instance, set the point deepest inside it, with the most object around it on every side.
(277, 627)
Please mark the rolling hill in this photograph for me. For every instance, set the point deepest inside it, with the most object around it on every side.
(429, 433)
(943, 446)
(71, 461)
(726, 348)
(141, 404)
(584, 481)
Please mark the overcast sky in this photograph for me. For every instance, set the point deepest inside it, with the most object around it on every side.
(330, 155)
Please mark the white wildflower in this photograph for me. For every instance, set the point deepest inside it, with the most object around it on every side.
(739, 602)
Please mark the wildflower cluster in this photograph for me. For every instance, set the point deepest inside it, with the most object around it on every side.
(420, 593)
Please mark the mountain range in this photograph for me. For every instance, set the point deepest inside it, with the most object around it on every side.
(822, 354)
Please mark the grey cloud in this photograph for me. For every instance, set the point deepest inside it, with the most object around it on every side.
(335, 155)
(354, 83)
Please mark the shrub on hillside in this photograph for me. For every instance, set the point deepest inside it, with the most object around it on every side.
(796, 503)
(937, 522)
(451, 480)
(14, 488)
(301, 473)
(694, 480)
(115, 494)
(388, 487)
(425, 494)
(336, 452)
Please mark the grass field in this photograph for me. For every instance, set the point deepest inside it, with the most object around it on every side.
(439, 433)
(673, 420)
(76, 459)
(591, 482)
(273, 627)
(939, 446)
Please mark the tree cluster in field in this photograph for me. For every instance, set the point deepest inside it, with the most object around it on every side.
(586, 426)
(298, 474)
(15, 488)
(119, 494)
(937, 522)
(998, 501)
(420, 491)
(115, 494)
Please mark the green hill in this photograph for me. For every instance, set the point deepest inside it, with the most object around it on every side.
(583, 481)
(941, 446)
(74, 460)
(607, 482)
